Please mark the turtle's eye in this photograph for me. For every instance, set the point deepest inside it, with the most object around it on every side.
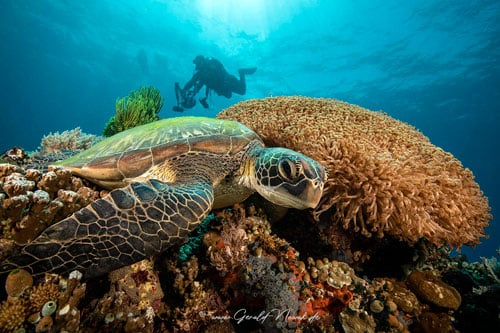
(289, 169)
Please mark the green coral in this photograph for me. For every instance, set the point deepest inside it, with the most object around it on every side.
(194, 242)
(138, 108)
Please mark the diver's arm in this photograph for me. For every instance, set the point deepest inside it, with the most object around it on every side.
(194, 79)
(197, 86)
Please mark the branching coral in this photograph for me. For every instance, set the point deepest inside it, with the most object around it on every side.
(491, 265)
(73, 139)
(139, 108)
(385, 177)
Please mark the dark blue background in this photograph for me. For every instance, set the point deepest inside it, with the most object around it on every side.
(433, 64)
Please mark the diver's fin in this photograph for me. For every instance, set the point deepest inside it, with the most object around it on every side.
(247, 71)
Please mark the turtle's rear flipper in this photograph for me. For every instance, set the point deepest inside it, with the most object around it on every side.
(128, 225)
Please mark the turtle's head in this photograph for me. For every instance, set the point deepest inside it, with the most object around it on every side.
(288, 178)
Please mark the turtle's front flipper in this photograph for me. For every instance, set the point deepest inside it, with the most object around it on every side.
(128, 225)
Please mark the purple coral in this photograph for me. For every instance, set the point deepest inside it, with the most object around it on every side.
(278, 288)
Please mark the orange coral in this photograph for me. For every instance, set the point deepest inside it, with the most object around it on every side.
(334, 302)
(385, 177)
(42, 293)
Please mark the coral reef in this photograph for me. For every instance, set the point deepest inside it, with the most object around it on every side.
(31, 201)
(385, 177)
(132, 301)
(72, 140)
(51, 305)
(278, 289)
(15, 155)
(243, 277)
(138, 108)
(239, 272)
(194, 304)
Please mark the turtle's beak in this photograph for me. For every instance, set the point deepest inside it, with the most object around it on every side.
(313, 195)
(287, 195)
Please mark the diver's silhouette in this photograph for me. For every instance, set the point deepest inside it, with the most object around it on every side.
(210, 72)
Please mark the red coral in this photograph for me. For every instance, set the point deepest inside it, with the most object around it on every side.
(140, 277)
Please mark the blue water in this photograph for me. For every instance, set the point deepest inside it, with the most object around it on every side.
(433, 64)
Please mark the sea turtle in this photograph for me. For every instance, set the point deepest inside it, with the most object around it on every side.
(164, 178)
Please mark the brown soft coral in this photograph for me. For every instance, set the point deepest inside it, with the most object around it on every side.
(385, 177)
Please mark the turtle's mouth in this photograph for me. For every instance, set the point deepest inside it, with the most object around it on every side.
(307, 199)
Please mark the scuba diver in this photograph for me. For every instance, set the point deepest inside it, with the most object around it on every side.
(210, 72)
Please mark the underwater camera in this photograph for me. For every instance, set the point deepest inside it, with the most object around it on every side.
(203, 102)
(185, 99)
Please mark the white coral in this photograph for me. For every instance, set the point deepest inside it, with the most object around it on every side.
(73, 139)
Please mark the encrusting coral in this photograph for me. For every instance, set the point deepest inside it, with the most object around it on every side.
(434, 291)
(15, 155)
(17, 282)
(30, 201)
(385, 177)
(138, 108)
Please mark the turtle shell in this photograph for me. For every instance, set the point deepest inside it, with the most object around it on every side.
(131, 153)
